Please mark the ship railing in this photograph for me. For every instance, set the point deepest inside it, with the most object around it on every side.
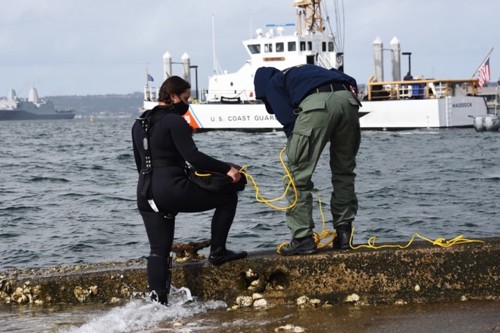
(221, 96)
(420, 89)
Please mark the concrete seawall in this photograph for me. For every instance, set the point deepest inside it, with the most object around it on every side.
(419, 274)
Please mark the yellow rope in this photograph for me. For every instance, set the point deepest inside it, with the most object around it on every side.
(438, 242)
(260, 198)
(442, 242)
(318, 237)
(199, 174)
(325, 233)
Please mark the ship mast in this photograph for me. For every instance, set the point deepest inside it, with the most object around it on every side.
(309, 18)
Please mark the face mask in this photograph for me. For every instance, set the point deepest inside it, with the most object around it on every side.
(181, 108)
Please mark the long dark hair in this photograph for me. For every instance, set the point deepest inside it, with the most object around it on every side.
(173, 85)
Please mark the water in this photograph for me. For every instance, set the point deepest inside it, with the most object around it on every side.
(212, 317)
(67, 190)
(134, 316)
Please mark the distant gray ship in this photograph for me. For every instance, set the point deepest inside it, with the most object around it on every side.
(13, 108)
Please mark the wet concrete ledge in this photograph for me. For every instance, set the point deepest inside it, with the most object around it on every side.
(421, 273)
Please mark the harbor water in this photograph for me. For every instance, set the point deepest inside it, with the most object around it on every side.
(67, 196)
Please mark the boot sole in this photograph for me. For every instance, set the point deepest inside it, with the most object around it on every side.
(221, 261)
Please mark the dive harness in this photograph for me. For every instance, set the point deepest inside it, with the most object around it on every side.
(147, 119)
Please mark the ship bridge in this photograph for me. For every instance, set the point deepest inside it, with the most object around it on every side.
(310, 43)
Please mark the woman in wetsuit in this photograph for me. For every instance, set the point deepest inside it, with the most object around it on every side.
(163, 189)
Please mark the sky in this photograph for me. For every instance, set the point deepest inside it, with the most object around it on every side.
(94, 47)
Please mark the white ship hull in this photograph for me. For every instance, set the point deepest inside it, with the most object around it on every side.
(426, 113)
(378, 115)
(387, 105)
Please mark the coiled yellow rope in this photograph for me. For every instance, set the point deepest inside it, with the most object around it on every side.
(438, 242)
(329, 233)
(325, 233)
(318, 237)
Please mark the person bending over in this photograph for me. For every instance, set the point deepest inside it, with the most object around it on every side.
(316, 106)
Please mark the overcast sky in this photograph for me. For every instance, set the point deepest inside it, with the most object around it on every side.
(81, 47)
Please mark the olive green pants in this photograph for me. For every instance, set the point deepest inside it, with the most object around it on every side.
(324, 117)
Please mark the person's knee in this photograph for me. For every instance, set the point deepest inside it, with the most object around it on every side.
(234, 198)
(159, 250)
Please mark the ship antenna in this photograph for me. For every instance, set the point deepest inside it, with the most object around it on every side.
(340, 24)
(217, 69)
(339, 31)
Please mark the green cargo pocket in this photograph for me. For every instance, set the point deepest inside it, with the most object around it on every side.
(298, 146)
(312, 105)
(353, 101)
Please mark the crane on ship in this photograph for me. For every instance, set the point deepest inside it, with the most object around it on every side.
(309, 16)
(310, 20)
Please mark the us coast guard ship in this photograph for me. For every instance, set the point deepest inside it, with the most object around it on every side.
(14, 108)
(230, 104)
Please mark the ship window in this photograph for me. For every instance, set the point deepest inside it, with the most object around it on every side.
(292, 46)
(323, 46)
(302, 46)
(330, 47)
(268, 48)
(254, 48)
(280, 47)
(309, 46)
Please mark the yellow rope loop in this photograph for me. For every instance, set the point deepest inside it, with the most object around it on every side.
(200, 174)
(318, 237)
(438, 242)
(269, 202)
(457, 240)
(325, 234)
(282, 245)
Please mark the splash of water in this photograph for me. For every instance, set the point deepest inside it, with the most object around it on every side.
(144, 316)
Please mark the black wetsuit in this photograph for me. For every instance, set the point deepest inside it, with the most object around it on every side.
(171, 145)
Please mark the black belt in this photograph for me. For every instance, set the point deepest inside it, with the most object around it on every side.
(329, 87)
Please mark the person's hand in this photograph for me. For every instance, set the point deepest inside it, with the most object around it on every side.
(234, 174)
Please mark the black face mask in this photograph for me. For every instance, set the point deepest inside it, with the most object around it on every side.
(180, 108)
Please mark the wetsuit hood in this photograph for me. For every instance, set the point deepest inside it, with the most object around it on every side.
(262, 77)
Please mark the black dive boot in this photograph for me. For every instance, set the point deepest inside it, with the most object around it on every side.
(159, 278)
(160, 296)
(341, 241)
(221, 255)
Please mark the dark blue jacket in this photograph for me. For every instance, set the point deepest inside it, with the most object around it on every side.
(282, 91)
